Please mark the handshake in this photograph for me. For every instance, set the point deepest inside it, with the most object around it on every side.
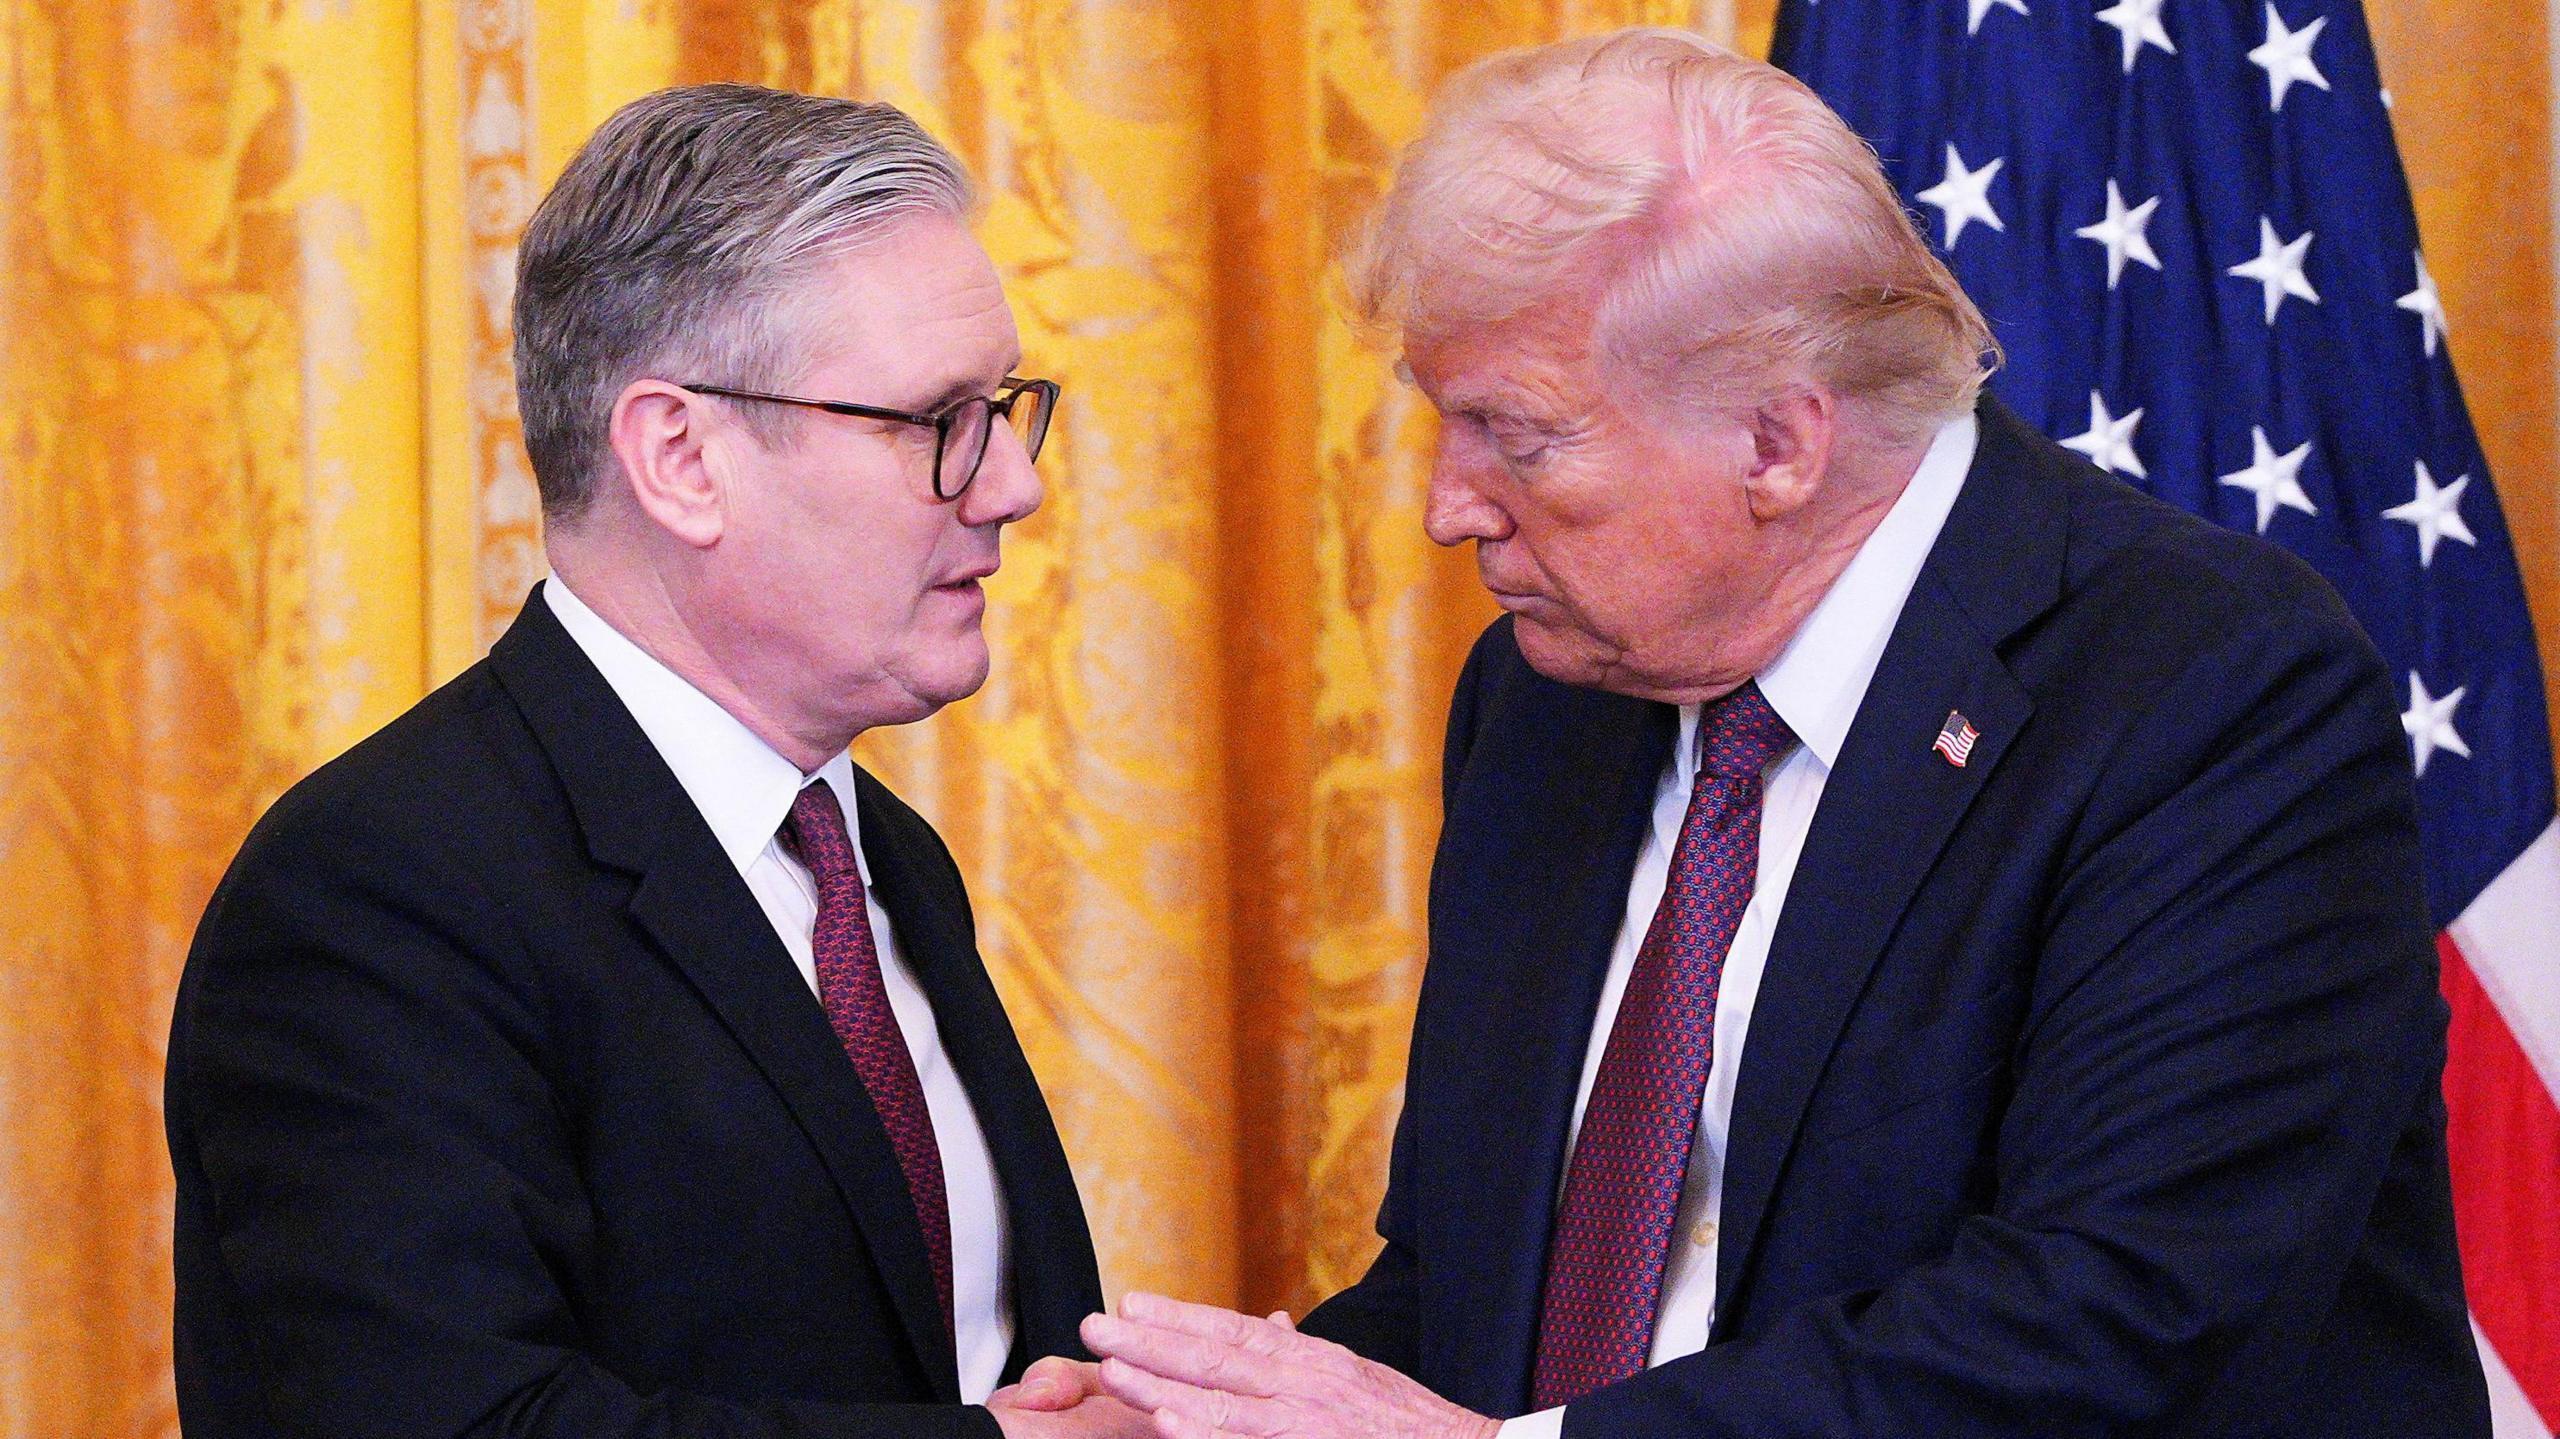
(1194, 1371)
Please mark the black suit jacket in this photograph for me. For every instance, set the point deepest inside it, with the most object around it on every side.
(2092, 1087)
(497, 1108)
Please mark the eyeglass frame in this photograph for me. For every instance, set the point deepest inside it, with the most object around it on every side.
(1010, 391)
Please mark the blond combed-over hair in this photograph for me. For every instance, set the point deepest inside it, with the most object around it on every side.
(1729, 233)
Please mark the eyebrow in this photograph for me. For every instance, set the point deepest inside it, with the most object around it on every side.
(1498, 402)
(961, 389)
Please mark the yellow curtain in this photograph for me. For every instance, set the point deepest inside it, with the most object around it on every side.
(263, 488)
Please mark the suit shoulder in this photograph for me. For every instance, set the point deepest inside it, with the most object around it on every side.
(897, 817)
(397, 854)
(428, 779)
(1494, 663)
(2156, 569)
(900, 825)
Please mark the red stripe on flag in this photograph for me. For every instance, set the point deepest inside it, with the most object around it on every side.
(2503, 1130)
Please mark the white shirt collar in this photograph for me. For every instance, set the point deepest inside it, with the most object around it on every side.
(742, 786)
(1820, 678)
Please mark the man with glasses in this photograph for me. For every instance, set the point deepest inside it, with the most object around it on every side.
(597, 1051)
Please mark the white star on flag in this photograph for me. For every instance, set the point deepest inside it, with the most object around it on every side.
(2278, 268)
(2429, 722)
(1964, 195)
(2437, 514)
(2108, 442)
(2286, 57)
(2273, 478)
(1976, 9)
(2426, 304)
(2140, 22)
(2122, 233)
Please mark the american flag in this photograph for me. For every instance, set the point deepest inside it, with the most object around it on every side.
(2187, 222)
(1955, 739)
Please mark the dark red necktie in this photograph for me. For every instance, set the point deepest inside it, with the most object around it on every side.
(857, 1005)
(1622, 1192)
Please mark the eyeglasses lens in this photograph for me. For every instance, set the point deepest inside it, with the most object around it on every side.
(964, 440)
(1030, 415)
(964, 444)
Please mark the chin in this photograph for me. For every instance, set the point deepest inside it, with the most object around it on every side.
(1562, 656)
(950, 677)
(918, 682)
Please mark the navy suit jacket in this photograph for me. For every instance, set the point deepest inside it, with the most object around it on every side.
(2092, 1086)
(498, 1108)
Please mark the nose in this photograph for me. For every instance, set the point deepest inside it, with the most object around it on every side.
(1007, 488)
(1457, 509)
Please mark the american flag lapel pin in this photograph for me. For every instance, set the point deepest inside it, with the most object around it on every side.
(1955, 738)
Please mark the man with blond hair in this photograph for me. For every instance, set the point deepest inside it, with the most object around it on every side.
(1925, 940)
(596, 1052)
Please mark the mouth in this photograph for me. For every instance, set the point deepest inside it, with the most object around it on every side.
(966, 583)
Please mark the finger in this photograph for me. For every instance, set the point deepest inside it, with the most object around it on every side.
(1170, 1425)
(1176, 1355)
(1186, 1358)
(1059, 1367)
(1055, 1383)
(1049, 1394)
(1214, 1409)
(1203, 1321)
(1133, 1386)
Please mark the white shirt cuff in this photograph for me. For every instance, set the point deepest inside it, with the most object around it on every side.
(1545, 1424)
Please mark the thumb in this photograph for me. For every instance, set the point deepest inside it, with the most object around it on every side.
(1052, 1383)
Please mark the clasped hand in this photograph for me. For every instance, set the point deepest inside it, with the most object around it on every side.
(1200, 1372)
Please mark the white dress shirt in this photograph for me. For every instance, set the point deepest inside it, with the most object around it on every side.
(744, 789)
(1815, 685)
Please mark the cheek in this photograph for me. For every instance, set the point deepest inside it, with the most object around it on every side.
(1638, 583)
(849, 577)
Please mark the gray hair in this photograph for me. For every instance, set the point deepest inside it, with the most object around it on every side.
(670, 236)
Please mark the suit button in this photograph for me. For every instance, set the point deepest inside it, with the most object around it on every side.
(1703, 1234)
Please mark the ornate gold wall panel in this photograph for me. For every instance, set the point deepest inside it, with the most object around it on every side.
(477, 147)
(208, 580)
(262, 486)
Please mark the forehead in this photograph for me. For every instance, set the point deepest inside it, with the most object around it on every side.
(915, 310)
(1538, 355)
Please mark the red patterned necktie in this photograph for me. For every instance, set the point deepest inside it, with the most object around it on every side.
(857, 1005)
(1613, 1231)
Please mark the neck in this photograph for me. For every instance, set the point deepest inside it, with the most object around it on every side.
(636, 597)
(1820, 540)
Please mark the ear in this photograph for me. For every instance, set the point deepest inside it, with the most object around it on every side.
(658, 433)
(1791, 438)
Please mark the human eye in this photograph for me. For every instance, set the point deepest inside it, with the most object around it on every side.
(1521, 444)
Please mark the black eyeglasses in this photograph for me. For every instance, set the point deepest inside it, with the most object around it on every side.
(960, 432)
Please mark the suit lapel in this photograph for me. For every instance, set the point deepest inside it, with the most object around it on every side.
(1535, 892)
(758, 993)
(1885, 814)
(1890, 805)
(1054, 1286)
(693, 905)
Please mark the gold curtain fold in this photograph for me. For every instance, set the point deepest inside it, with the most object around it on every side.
(264, 486)
(209, 580)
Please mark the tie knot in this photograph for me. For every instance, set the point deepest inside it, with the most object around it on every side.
(815, 830)
(1739, 734)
